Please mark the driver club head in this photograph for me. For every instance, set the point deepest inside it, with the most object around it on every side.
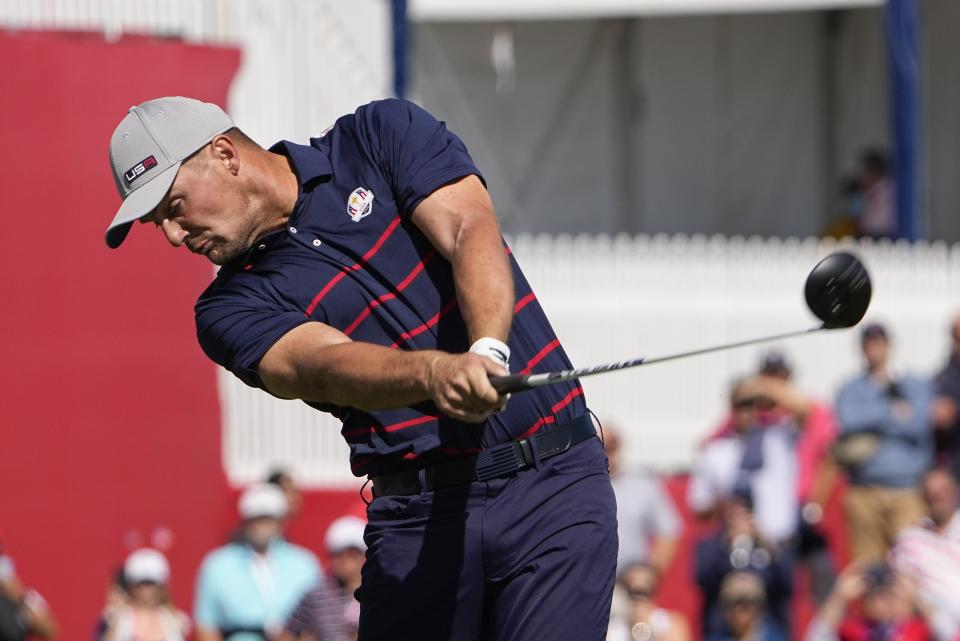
(838, 290)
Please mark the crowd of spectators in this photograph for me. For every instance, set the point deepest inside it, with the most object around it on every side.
(258, 586)
(889, 444)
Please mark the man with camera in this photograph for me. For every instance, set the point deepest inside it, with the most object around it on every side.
(885, 445)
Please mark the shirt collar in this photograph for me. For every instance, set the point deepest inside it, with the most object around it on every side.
(309, 163)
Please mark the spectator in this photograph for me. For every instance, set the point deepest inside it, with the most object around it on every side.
(745, 618)
(886, 610)
(946, 405)
(886, 446)
(739, 546)
(245, 591)
(284, 480)
(23, 612)
(642, 619)
(878, 219)
(816, 472)
(929, 554)
(755, 457)
(146, 611)
(329, 610)
(647, 521)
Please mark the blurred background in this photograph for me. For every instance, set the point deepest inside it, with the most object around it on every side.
(666, 171)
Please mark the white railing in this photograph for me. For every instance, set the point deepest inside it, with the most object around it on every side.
(612, 298)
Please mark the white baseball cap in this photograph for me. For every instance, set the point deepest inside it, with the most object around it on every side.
(345, 533)
(147, 149)
(262, 500)
(146, 564)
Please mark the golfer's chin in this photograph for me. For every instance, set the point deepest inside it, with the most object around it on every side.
(219, 255)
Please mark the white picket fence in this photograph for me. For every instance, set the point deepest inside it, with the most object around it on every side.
(613, 298)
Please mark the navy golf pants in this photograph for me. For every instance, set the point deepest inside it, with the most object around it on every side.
(530, 557)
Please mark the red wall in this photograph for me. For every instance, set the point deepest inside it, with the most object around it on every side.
(110, 420)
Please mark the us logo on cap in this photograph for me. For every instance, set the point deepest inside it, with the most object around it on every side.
(140, 168)
(360, 204)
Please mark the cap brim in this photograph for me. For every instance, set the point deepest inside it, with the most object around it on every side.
(139, 203)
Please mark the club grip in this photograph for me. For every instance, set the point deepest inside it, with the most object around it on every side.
(510, 384)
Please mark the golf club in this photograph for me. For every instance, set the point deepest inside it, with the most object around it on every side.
(837, 291)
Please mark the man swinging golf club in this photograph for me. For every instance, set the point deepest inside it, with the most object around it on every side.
(365, 274)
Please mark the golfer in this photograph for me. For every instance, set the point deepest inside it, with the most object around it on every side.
(365, 274)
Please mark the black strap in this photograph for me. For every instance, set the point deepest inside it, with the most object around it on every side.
(496, 462)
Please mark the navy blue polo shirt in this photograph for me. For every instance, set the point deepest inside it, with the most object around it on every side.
(351, 258)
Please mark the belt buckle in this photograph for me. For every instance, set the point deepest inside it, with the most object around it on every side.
(499, 461)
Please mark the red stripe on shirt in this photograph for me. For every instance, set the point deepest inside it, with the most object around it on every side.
(393, 427)
(365, 258)
(548, 420)
(389, 296)
(542, 354)
(430, 323)
(523, 302)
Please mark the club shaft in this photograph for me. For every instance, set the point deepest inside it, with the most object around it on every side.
(516, 383)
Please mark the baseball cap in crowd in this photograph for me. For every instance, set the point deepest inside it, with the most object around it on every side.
(774, 362)
(262, 500)
(874, 330)
(345, 533)
(147, 149)
(146, 565)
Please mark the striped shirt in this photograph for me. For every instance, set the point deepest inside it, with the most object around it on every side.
(326, 614)
(932, 560)
(351, 258)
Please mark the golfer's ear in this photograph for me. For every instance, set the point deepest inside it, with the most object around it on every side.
(226, 153)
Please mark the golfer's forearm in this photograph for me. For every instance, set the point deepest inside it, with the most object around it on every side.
(483, 279)
(361, 375)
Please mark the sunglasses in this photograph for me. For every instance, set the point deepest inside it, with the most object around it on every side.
(639, 594)
(742, 602)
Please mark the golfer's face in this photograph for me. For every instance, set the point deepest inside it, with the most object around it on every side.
(205, 212)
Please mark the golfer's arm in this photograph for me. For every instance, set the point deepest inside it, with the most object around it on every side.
(459, 221)
(318, 363)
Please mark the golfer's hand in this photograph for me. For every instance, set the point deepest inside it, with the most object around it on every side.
(459, 385)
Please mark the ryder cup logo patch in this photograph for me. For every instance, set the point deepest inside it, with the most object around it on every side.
(140, 168)
(360, 204)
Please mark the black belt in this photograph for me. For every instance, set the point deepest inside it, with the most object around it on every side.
(498, 461)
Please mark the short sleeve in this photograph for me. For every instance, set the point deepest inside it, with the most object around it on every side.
(415, 151)
(235, 331)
